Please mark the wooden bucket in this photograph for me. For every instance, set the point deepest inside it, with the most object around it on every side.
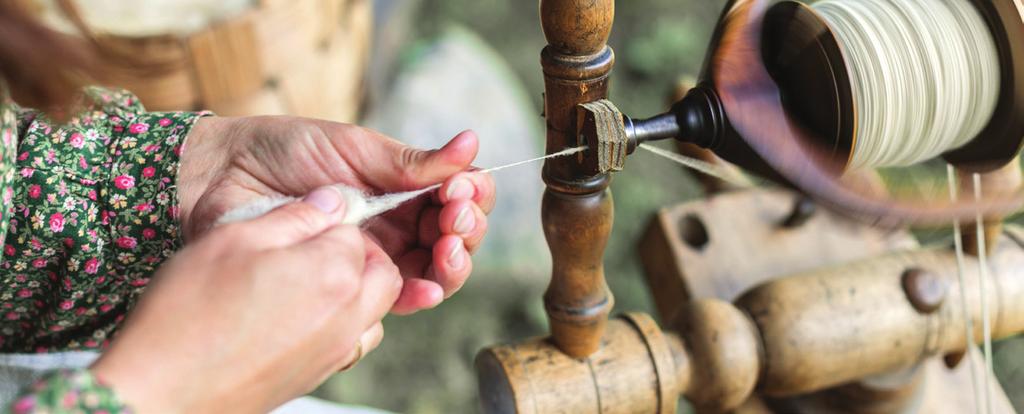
(294, 57)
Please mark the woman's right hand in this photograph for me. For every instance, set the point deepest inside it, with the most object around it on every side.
(254, 314)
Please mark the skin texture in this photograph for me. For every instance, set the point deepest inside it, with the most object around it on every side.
(242, 322)
(230, 161)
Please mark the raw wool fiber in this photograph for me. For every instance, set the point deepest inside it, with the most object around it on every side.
(359, 207)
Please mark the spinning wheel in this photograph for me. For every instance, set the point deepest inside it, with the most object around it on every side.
(788, 92)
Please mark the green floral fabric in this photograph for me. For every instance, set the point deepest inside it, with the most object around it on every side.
(88, 211)
(69, 392)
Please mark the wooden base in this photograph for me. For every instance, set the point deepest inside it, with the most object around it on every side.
(723, 246)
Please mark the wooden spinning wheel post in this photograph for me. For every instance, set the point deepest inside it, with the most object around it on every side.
(577, 206)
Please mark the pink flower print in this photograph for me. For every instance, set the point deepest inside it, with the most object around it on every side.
(77, 140)
(148, 172)
(34, 190)
(82, 164)
(147, 233)
(92, 195)
(69, 242)
(57, 222)
(144, 208)
(39, 263)
(11, 316)
(106, 307)
(70, 399)
(173, 211)
(36, 244)
(9, 250)
(67, 305)
(126, 242)
(92, 266)
(25, 405)
(139, 282)
(152, 148)
(8, 137)
(118, 128)
(27, 172)
(24, 293)
(164, 122)
(138, 128)
(23, 156)
(124, 182)
(91, 343)
(19, 279)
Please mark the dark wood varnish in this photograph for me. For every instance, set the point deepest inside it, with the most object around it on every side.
(577, 206)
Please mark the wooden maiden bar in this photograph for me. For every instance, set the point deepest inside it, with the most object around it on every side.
(577, 206)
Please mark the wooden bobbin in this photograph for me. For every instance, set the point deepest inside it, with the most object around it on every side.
(577, 206)
(807, 62)
(637, 370)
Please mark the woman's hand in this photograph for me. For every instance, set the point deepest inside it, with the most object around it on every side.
(254, 314)
(228, 162)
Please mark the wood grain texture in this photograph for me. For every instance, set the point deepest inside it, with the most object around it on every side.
(633, 372)
(577, 206)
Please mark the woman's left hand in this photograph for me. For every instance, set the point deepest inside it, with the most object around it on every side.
(228, 162)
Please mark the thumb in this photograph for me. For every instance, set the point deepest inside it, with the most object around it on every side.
(295, 222)
(411, 169)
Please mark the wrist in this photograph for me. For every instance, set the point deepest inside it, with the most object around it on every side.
(202, 157)
(133, 386)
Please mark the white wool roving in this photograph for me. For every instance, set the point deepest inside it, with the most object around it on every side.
(359, 207)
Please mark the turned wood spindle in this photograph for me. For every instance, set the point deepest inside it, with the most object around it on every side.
(577, 206)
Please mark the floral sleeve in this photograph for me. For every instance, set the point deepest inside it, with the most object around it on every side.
(69, 392)
(94, 212)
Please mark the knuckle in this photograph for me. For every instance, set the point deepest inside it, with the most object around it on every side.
(410, 160)
(339, 286)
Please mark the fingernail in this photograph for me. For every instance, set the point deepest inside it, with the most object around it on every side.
(460, 189)
(456, 259)
(464, 222)
(326, 199)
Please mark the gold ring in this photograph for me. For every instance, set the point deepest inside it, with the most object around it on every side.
(359, 355)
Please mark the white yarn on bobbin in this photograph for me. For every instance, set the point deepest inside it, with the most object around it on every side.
(924, 76)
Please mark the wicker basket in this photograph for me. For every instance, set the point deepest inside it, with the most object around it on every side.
(297, 57)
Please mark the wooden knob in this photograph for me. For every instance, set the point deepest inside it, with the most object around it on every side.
(724, 352)
(577, 27)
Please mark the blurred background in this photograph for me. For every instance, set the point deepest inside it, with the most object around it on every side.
(422, 71)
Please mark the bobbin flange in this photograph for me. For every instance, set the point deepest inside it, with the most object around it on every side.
(805, 59)
(1002, 138)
